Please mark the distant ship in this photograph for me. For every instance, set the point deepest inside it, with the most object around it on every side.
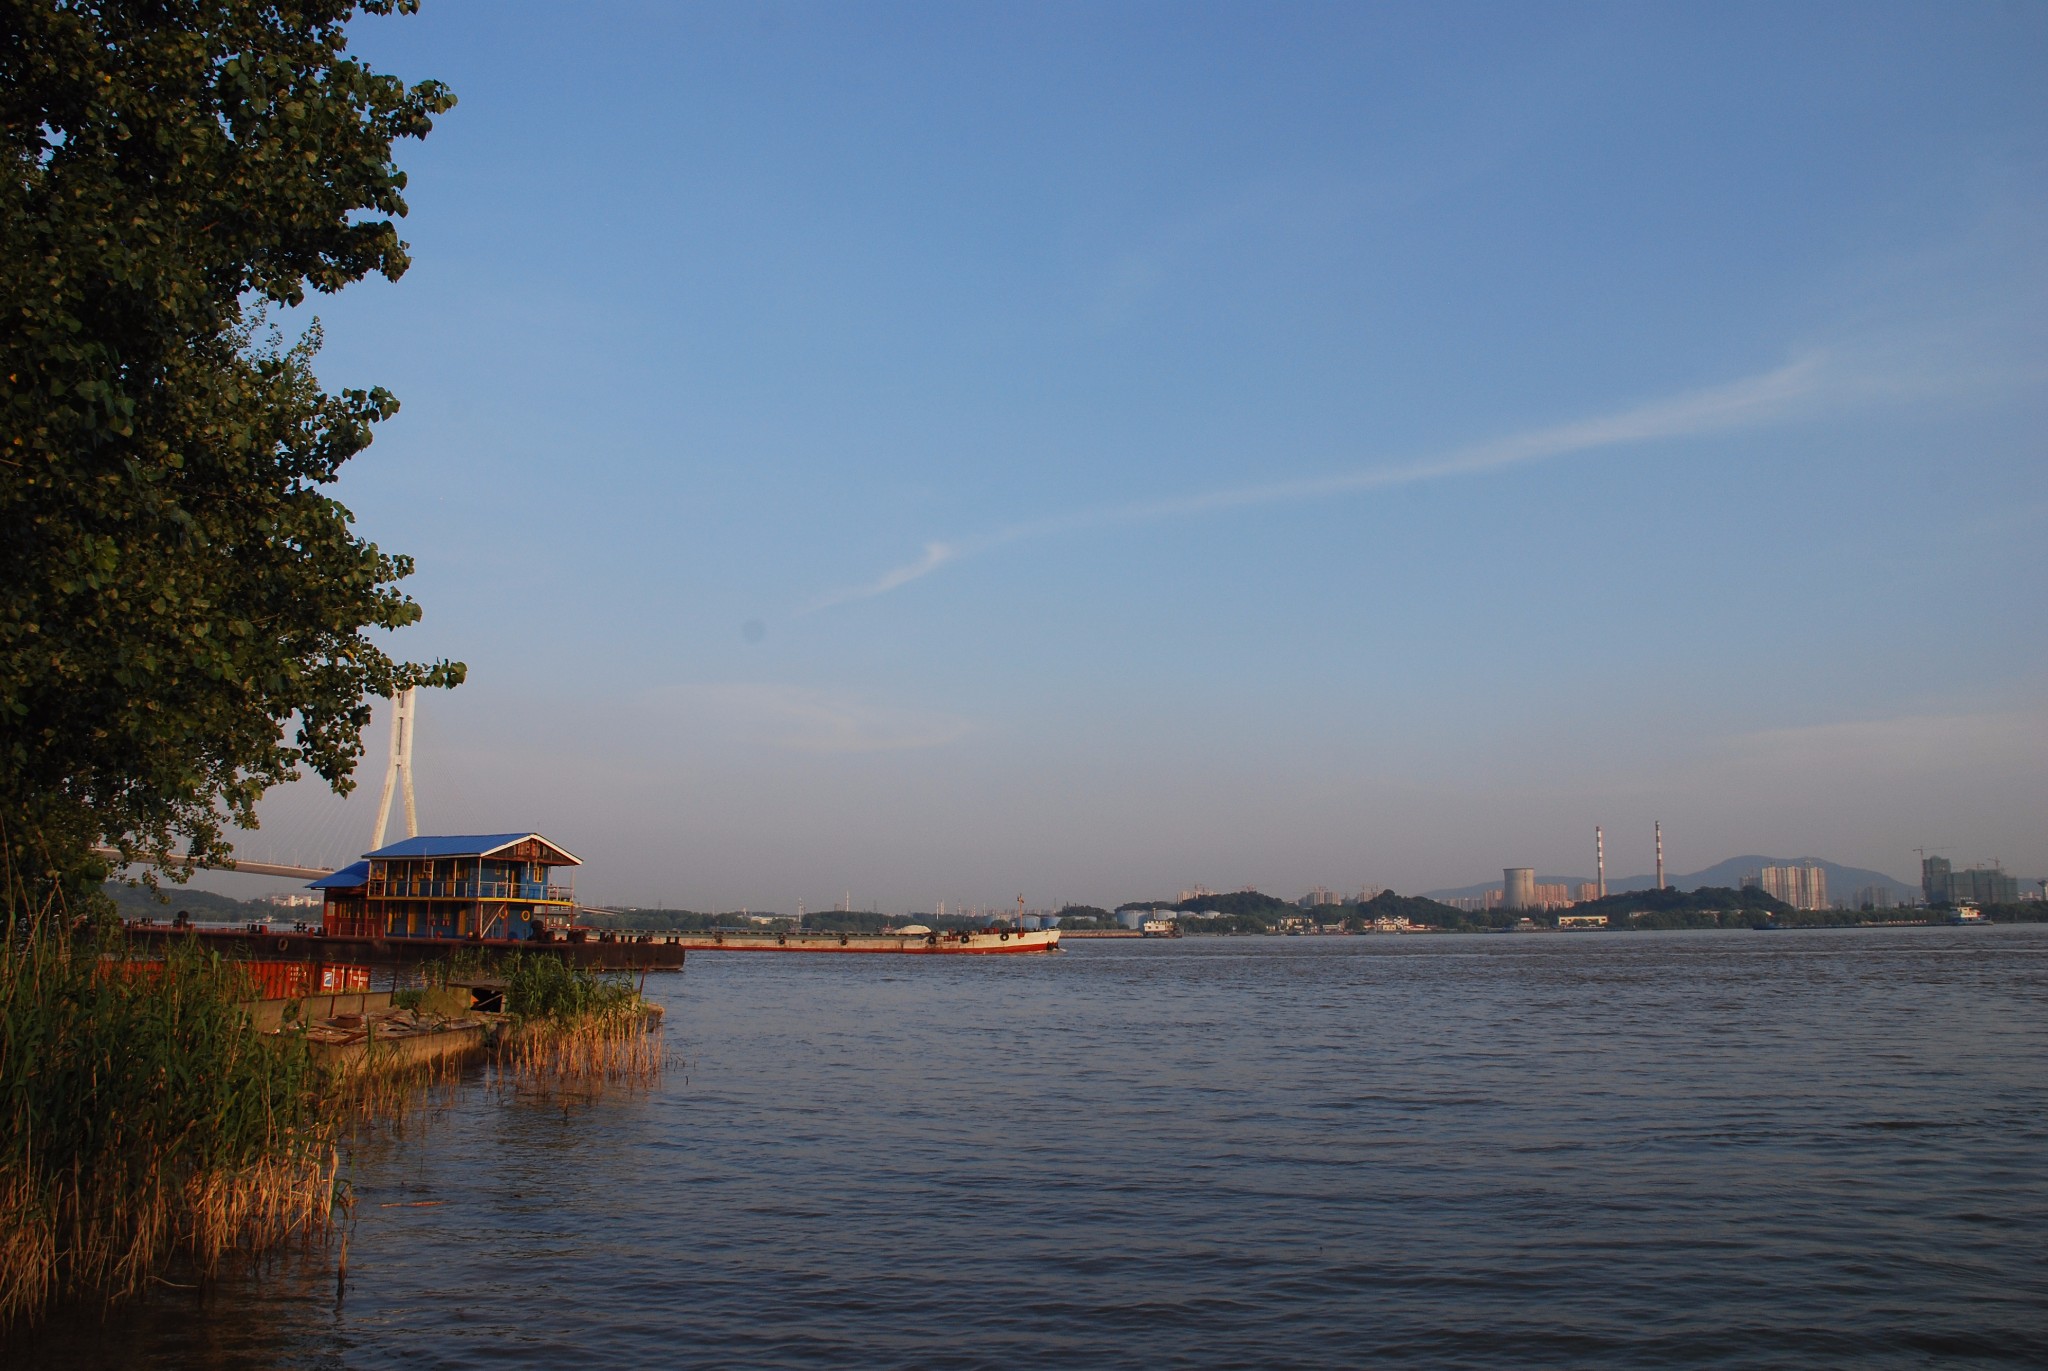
(913, 939)
(1160, 928)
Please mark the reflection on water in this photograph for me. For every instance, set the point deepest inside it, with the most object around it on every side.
(1773, 1149)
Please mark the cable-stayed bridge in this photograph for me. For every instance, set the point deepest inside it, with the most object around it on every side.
(308, 836)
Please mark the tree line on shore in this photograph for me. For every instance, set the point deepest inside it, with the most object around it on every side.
(1254, 912)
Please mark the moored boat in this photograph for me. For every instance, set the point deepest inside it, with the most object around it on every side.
(918, 941)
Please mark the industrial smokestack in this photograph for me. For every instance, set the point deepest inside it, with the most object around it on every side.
(1600, 860)
(1518, 887)
(1660, 854)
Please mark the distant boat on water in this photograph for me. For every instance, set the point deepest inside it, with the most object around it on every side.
(914, 940)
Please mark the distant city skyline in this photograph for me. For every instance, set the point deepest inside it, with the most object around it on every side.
(953, 452)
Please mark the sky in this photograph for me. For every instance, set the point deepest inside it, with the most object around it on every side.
(905, 453)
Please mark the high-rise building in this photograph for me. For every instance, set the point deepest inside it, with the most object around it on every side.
(1588, 890)
(1943, 884)
(1554, 896)
(1934, 883)
(1983, 885)
(1518, 887)
(1802, 887)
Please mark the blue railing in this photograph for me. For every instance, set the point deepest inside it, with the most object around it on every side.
(393, 889)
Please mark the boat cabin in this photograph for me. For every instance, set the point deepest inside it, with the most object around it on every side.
(493, 885)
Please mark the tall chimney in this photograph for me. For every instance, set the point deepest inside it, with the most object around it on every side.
(1600, 859)
(1660, 854)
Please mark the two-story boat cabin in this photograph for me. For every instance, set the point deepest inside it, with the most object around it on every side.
(493, 885)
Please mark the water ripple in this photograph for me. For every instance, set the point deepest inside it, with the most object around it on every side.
(1698, 1150)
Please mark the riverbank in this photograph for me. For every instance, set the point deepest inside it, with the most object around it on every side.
(159, 1113)
(1643, 926)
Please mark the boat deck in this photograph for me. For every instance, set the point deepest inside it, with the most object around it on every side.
(612, 952)
(976, 942)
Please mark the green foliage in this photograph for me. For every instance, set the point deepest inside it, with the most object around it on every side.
(140, 902)
(651, 920)
(1710, 906)
(1414, 908)
(539, 986)
(1087, 917)
(442, 1001)
(1714, 897)
(179, 587)
(1230, 923)
(1238, 902)
(2019, 912)
(855, 921)
(1253, 912)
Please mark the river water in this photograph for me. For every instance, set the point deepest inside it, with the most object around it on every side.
(1782, 1149)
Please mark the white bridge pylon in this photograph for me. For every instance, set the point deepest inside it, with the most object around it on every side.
(401, 760)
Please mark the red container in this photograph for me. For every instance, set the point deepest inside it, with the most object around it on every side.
(281, 980)
(344, 980)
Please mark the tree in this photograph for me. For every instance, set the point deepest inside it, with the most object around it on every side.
(179, 590)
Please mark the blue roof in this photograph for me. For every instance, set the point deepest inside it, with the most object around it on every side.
(348, 878)
(463, 845)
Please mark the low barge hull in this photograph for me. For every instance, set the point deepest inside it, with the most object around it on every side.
(654, 952)
(976, 944)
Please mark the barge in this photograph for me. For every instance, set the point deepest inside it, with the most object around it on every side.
(915, 941)
(589, 949)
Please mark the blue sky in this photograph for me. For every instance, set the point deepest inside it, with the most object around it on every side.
(938, 452)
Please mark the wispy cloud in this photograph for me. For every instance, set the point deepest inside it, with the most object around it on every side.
(935, 556)
(1753, 400)
(800, 719)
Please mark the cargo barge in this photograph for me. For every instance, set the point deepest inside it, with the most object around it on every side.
(578, 947)
(915, 941)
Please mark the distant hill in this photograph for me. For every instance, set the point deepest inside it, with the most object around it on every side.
(1233, 903)
(136, 902)
(1843, 881)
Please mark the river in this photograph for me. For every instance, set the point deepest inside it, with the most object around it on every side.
(1775, 1149)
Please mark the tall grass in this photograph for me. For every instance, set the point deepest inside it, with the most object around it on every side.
(576, 1028)
(145, 1120)
(142, 1119)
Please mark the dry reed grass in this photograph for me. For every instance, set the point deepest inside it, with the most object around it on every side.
(576, 1031)
(584, 1055)
(144, 1119)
